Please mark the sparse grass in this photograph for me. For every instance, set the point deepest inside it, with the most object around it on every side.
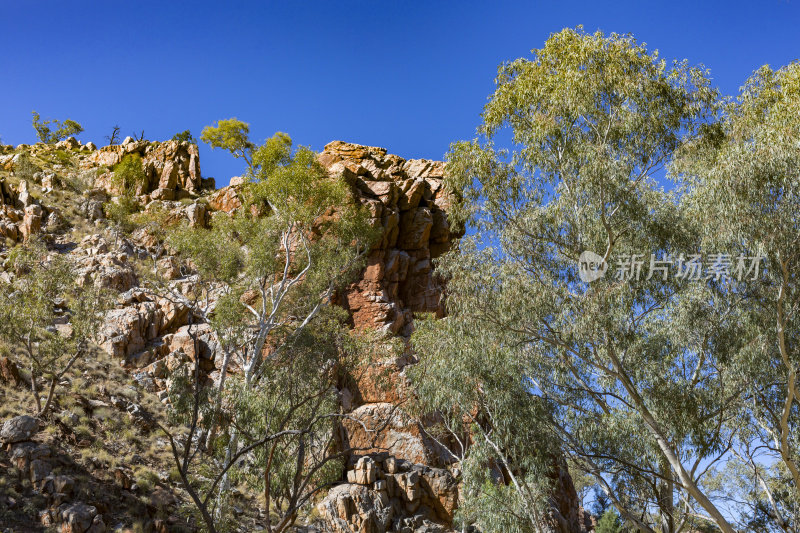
(79, 180)
(82, 431)
(105, 414)
(174, 475)
(24, 169)
(145, 478)
(63, 157)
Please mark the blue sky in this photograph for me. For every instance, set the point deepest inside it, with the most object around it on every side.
(409, 76)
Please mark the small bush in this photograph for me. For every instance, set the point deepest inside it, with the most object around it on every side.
(184, 136)
(145, 478)
(63, 157)
(79, 180)
(129, 174)
(121, 211)
(24, 169)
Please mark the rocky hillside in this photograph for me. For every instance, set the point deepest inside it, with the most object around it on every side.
(99, 463)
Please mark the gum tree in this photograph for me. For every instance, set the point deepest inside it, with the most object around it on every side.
(41, 293)
(266, 274)
(232, 135)
(52, 131)
(620, 370)
(743, 192)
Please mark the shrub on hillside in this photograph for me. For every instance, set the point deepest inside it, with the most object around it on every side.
(129, 176)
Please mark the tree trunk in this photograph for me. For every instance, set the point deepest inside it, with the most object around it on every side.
(43, 410)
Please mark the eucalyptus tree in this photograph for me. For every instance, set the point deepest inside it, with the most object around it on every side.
(269, 271)
(743, 192)
(47, 317)
(52, 131)
(620, 370)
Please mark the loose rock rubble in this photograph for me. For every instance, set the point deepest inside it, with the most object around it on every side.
(37, 462)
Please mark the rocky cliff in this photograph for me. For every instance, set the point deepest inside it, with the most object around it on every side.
(406, 199)
(171, 168)
(402, 479)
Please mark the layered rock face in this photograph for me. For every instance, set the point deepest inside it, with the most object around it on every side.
(406, 199)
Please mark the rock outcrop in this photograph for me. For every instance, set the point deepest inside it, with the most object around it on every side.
(407, 200)
(20, 215)
(396, 477)
(169, 167)
(39, 463)
(384, 494)
(385, 427)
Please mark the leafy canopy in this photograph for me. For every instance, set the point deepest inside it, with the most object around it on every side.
(605, 368)
(232, 135)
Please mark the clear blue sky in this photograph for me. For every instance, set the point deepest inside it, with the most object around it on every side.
(409, 76)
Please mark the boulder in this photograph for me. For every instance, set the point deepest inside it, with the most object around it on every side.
(129, 329)
(32, 221)
(9, 373)
(383, 427)
(78, 517)
(19, 429)
(196, 215)
(226, 199)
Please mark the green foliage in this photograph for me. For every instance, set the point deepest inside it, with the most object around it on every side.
(52, 131)
(44, 289)
(274, 268)
(297, 386)
(609, 522)
(24, 169)
(743, 193)
(591, 119)
(121, 211)
(186, 136)
(232, 135)
(300, 193)
(63, 157)
(129, 175)
(128, 179)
